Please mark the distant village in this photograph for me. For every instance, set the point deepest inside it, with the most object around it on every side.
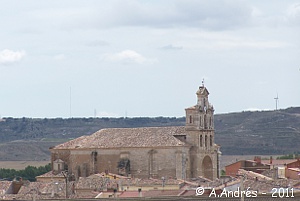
(156, 162)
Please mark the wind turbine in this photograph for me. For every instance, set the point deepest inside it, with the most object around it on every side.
(276, 101)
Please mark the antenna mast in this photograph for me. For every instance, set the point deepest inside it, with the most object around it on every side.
(70, 102)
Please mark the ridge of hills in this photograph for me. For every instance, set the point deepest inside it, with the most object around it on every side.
(242, 133)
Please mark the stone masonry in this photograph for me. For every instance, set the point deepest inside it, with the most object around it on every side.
(180, 152)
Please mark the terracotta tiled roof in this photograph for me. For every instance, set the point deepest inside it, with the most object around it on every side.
(158, 193)
(93, 182)
(279, 161)
(251, 174)
(128, 137)
(86, 194)
(50, 174)
(150, 182)
(42, 190)
(191, 108)
(102, 182)
(4, 186)
(152, 193)
(295, 169)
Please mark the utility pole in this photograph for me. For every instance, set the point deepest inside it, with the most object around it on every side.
(70, 102)
(183, 164)
(242, 177)
(66, 175)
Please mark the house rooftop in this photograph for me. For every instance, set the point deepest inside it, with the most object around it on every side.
(51, 174)
(4, 186)
(279, 162)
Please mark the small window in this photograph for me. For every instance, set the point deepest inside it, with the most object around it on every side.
(201, 121)
(78, 171)
(205, 141)
(201, 141)
(211, 141)
(191, 119)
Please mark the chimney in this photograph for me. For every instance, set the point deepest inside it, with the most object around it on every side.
(271, 159)
(257, 159)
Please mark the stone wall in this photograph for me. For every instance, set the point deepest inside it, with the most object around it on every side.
(168, 162)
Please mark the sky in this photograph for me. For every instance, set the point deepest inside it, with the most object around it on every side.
(132, 58)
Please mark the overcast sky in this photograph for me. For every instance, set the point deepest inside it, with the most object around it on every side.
(146, 58)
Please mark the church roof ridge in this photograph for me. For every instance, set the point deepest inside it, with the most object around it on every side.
(128, 137)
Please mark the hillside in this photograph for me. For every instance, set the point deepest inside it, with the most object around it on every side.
(266, 132)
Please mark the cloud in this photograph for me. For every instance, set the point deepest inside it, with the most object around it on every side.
(214, 15)
(59, 57)
(172, 47)
(9, 56)
(210, 14)
(97, 43)
(126, 57)
(249, 44)
(223, 40)
(205, 14)
(293, 14)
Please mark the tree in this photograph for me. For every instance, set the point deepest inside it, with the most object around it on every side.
(29, 173)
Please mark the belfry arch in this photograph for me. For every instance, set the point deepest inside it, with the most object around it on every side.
(207, 168)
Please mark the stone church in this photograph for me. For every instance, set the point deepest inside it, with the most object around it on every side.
(181, 152)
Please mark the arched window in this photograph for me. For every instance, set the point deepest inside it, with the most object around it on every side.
(191, 119)
(211, 141)
(153, 166)
(201, 139)
(78, 171)
(201, 121)
(205, 141)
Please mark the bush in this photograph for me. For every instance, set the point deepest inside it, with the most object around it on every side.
(289, 156)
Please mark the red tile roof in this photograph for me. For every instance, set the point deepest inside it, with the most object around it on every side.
(279, 161)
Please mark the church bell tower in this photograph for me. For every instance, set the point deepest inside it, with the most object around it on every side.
(200, 116)
(204, 153)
